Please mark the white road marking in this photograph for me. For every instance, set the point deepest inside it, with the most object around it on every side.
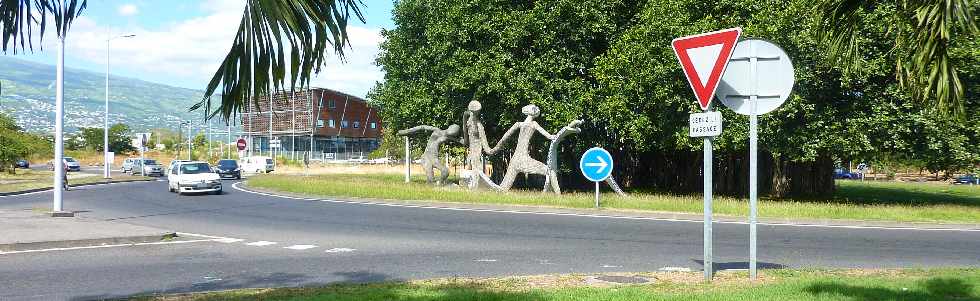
(229, 240)
(664, 219)
(340, 250)
(611, 266)
(72, 188)
(261, 243)
(108, 246)
(300, 247)
(485, 260)
(675, 269)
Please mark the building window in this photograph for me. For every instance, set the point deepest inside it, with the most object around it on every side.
(343, 124)
(332, 125)
(319, 123)
(331, 103)
(374, 125)
(357, 124)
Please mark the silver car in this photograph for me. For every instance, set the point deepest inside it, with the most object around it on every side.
(149, 167)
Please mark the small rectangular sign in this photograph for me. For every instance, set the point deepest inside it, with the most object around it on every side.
(706, 124)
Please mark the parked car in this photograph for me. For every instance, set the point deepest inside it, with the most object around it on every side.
(258, 164)
(22, 164)
(149, 167)
(127, 165)
(967, 179)
(841, 173)
(228, 168)
(193, 176)
(69, 161)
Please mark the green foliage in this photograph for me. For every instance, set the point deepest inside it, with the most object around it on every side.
(200, 141)
(119, 138)
(15, 144)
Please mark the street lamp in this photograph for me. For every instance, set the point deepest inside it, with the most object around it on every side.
(105, 136)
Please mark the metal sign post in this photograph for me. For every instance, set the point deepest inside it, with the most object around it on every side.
(704, 58)
(757, 66)
(596, 165)
(408, 162)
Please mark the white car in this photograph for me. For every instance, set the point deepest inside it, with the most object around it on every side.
(193, 176)
(258, 164)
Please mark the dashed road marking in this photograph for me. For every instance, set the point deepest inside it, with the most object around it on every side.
(261, 243)
(300, 247)
(229, 240)
(675, 269)
(485, 260)
(108, 246)
(340, 250)
(611, 266)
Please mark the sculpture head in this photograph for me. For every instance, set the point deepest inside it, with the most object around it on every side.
(474, 106)
(452, 130)
(531, 111)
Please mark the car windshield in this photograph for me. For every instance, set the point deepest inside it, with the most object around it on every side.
(150, 162)
(268, 161)
(228, 163)
(195, 168)
(69, 159)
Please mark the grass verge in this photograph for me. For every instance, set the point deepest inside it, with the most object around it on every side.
(903, 202)
(782, 285)
(25, 179)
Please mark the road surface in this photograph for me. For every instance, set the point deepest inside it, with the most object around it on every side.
(242, 239)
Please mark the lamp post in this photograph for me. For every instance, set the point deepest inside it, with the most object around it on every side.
(105, 135)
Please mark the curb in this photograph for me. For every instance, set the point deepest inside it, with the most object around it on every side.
(628, 214)
(27, 246)
(13, 193)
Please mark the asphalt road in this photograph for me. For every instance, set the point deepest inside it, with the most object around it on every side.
(263, 241)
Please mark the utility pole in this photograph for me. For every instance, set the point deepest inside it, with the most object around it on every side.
(105, 135)
(59, 139)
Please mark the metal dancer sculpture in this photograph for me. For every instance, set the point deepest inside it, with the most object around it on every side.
(571, 128)
(475, 140)
(521, 161)
(430, 158)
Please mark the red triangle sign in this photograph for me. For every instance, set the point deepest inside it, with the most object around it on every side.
(704, 58)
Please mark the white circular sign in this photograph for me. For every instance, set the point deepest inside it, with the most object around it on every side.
(758, 79)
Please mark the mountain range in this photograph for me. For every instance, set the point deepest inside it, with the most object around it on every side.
(28, 93)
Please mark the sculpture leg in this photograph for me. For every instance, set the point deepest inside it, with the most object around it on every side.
(553, 181)
(509, 177)
(427, 166)
(443, 173)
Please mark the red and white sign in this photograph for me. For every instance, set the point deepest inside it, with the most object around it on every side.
(704, 58)
(241, 144)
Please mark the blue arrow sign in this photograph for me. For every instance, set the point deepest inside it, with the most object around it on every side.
(596, 164)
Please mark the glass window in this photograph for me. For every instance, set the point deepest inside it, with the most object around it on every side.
(332, 125)
(194, 168)
(228, 163)
(343, 124)
(374, 125)
(331, 103)
(319, 123)
(357, 124)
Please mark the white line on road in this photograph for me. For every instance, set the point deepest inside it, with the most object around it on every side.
(108, 246)
(485, 260)
(300, 247)
(664, 219)
(261, 243)
(340, 250)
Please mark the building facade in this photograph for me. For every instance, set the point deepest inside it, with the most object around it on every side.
(329, 124)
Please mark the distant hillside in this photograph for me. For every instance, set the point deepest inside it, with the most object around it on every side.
(28, 93)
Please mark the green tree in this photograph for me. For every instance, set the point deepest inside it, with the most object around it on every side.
(15, 144)
(269, 32)
(922, 33)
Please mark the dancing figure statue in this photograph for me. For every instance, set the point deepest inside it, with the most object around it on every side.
(521, 161)
(571, 128)
(430, 158)
(475, 140)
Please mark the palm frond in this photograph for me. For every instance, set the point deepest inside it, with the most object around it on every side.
(271, 30)
(19, 18)
(923, 32)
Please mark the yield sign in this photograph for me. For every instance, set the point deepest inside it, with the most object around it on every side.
(704, 58)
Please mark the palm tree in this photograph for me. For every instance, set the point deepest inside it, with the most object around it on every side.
(923, 31)
(269, 32)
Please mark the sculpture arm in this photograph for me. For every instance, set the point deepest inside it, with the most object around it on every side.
(544, 132)
(504, 138)
(484, 141)
(416, 129)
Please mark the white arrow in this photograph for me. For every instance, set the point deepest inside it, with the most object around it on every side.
(601, 164)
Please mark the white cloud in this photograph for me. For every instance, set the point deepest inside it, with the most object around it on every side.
(191, 49)
(128, 10)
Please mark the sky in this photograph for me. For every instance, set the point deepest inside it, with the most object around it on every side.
(181, 42)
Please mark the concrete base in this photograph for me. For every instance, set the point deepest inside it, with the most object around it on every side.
(62, 214)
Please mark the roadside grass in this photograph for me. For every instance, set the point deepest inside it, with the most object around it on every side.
(25, 179)
(782, 285)
(904, 202)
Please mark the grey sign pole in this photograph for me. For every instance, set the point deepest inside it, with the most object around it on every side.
(597, 194)
(708, 259)
(753, 188)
